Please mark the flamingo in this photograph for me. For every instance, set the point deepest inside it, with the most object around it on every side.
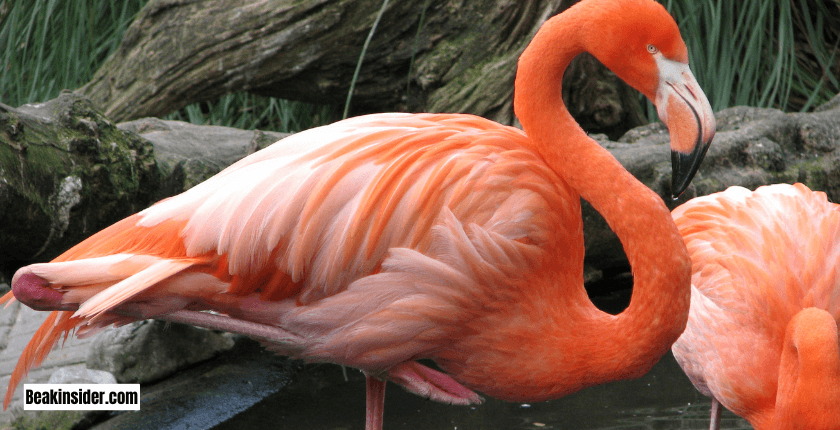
(762, 338)
(383, 239)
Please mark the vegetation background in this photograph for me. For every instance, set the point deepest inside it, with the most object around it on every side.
(782, 54)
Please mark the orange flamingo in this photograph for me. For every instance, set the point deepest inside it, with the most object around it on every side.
(762, 332)
(388, 238)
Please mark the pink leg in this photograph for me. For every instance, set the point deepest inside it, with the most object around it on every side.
(714, 423)
(375, 398)
(425, 382)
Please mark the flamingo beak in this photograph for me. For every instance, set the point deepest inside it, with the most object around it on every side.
(684, 108)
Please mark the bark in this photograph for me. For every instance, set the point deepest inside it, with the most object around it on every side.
(429, 55)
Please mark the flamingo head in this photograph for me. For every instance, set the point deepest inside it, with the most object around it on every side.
(641, 43)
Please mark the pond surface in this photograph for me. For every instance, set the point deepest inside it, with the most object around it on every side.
(321, 400)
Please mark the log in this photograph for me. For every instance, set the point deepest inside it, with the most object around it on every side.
(430, 55)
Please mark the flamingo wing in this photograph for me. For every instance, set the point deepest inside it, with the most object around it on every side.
(754, 268)
(370, 241)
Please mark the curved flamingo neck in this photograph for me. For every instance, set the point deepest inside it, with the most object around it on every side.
(630, 343)
(808, 393)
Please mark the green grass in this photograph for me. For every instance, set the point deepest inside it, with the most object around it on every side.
(249, 111)
(50, 45)
(766, 53)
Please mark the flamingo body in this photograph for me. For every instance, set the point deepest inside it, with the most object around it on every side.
(388, 238)
(762, 334)
(457, 217)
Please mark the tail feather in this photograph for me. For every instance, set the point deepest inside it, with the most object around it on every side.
(86, 271)
(58, 323)
(124, 290)
(98, 284)
(8, 299)
(106, 271)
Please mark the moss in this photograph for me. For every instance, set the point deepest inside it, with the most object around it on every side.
(55, 420)
(44, 149)
(818, 174)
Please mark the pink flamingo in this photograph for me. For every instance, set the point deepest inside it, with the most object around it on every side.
(383, 239)
(762, 333)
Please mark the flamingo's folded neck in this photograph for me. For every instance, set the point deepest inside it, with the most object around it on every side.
(808, 393)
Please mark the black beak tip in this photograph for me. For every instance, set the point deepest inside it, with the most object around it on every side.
(684, 167)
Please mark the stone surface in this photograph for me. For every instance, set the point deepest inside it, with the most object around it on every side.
(210, 393)
(188, 154)
(146, 351)
(66, 172)
(752, 147)
(66, 375)
(17, 325)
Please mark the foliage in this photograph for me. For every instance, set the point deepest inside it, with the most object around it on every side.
(49, 45)
(769, 53)
(44, 49)
(250, 111)
(765, 53)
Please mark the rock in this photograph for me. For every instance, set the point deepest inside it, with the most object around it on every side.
(210, 393)
(147, 351)
(56, 420)
(71, 375)
(752, 147)
(66, 419)
(188, 154)
(834, 103)
(66, 172)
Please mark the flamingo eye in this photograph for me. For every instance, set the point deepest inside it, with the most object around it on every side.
(652, 49)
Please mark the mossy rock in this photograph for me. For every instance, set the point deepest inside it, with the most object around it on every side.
(56, 420)
(66, 171)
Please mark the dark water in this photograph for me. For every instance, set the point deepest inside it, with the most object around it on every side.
(320, 399)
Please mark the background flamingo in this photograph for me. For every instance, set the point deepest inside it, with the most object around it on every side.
(388, 238)
(762, 334)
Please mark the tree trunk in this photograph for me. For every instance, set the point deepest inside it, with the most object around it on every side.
(429, 55)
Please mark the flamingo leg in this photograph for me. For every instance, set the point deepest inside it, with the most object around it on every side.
(375, 397)
(714, 423)
(431, 384)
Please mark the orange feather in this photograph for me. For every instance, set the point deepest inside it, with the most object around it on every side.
(765, 304)
(383, 239)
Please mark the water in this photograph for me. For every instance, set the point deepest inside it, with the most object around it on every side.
(321, 400)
